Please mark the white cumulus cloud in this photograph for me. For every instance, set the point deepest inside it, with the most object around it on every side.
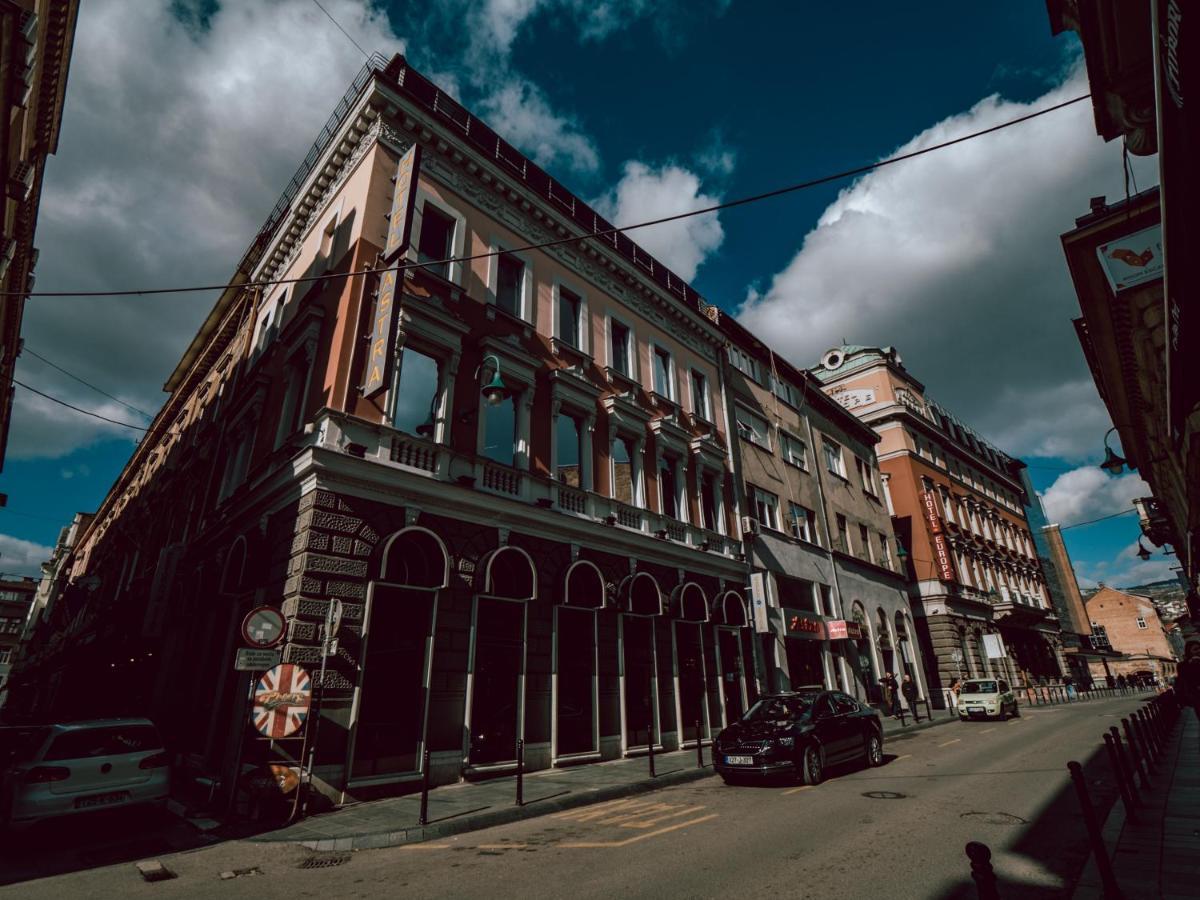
(645, 193)
(1089, 492)
(520, 113)
(19, 557)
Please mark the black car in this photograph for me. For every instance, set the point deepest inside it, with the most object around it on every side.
(798, 733)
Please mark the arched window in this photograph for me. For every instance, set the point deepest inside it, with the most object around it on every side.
(584, 586)
(640, 595)
(688, 603)
(415, 557)
(731, 609)
(509, 573)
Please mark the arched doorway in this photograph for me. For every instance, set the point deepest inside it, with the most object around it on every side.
(884, 642)
(496, 677)
(731, 618)
(641, 605)
(576, 729)
(862, 661)
(391, 707)
(689, 612)
(906, 644)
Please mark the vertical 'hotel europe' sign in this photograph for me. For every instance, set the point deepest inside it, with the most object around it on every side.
(941, 549)
(379, 361)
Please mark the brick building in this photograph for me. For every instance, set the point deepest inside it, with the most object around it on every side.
(1130, 625)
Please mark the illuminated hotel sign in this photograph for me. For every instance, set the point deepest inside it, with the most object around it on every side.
(941, 548)
(383, 328)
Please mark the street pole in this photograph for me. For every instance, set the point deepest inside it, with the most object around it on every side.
(333, 618)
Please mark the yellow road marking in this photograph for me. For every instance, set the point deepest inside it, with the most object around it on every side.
(948, 743)
(501, 846)
(599, 811)
(648, 823)
(796, 790)
(425, 847)
(631, 812)
(582, 845)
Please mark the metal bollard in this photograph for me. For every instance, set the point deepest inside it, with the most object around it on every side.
(1127, 764)
(1136, 755)
(520, 772)
(423, 815)
(1103, 863)
(982, 871)
(699, 747)
(1139, 724)
(650, 751)
(1114, 762)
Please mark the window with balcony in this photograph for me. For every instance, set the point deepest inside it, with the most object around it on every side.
(570, 321)
(436, 242)
(751, 427)
(295, 395)
(804, 523)
(668, 487)
(833, 458)
(700, 405)
(625, 475)
(510, 284)
(620, 349)
(793, 450)
(708, 502)
(568, 450)
(500, 432)
(664, 382)
(766, 508)
(414, 408)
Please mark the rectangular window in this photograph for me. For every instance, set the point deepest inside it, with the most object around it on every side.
(436, 243)
(708, 502)
(624, 487)
(1141, 622)
(751, 427)
(793, 450)
(700, 396)
(885, 551)
(744, 363)
(843, 534)
(5, 656)
(766, 508)
(826, 593)
(414, 409)
(662, 373)
(667, 485)
(833, 458)
(567, 450)
(804, 523)
(510, 284)
(569, 308)
(500, 432)
(619, 353)
(866, 473)
(864, 538)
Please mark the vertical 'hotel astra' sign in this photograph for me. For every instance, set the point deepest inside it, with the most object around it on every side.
(380, 359)
(941, 548)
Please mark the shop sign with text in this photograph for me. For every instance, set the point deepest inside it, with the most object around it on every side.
(804, 625)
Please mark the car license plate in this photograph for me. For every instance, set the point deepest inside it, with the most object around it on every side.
(976, 712)
(739, 760)
(101, 799)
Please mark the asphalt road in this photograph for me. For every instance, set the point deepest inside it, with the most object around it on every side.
(893, 832)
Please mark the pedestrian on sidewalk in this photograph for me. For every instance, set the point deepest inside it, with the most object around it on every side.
(909, 689)
(955, 687)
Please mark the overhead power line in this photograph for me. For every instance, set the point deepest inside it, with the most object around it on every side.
(1101, 519)
(37, 355)
(572, 239)
(85, 412)
(330, 17)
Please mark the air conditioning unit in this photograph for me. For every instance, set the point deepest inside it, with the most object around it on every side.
(749, 526)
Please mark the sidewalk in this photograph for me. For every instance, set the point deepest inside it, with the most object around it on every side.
(470, 806)
(1159, 854)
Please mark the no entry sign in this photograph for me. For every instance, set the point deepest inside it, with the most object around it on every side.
(263, 627)
(281, 701)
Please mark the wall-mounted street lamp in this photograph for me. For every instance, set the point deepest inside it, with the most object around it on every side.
(1142, 552)
(494, 391)
(1113, 464)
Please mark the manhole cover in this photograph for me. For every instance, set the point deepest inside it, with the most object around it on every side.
(324, 862)
(995, 818)
(884, 795)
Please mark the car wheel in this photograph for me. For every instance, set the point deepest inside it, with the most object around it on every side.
(729, 779)
(874, 750)
(1016, 710)
(1003, 715)
(812, 770)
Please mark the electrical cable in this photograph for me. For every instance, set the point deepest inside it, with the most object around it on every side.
(329, 16)
(76, 408)
(37, 355)
(570, 239)
(1101, 519)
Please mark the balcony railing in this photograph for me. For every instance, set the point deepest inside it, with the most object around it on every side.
(426, 459)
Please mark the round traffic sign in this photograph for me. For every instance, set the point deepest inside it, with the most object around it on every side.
(263, 627)
(281, 700)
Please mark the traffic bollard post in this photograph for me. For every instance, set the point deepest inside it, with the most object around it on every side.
(1126, 761)
(982, 871)
(520, 772)
(423, 815)
(650, 751)
(1107, 877)
(1114, 762)
(1135, 754)
(1143, 733)
(699, 747)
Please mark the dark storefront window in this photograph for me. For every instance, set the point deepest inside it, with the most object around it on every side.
(495, 698)
(393, 694)
(731, 673)
(576, 673)
(638, 641)
(690, 653)
(804, 662)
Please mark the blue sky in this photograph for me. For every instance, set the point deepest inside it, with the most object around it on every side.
(184, 121)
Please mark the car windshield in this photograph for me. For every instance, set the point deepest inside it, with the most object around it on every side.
(980, 687)
(773, 709)
(105, 741)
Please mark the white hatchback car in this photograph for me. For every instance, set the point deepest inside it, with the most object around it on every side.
(58, 770)
(981, 698)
